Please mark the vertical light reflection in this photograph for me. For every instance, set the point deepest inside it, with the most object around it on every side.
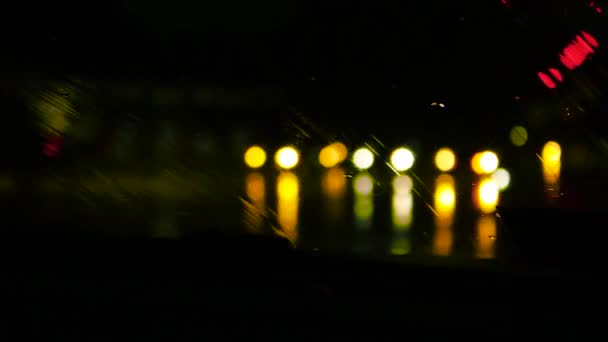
(255, 207)
(486, 237)
(486, 195)
(403, 202)
(363, 207)
(551, 159)
(333, 185)
(445, 202)
(288, 192)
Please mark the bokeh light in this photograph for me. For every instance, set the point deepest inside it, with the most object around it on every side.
(502, 178)
(552, 152)
(288, 189)
(403, 202)
(445, 159)
(333, 154)
(487, 195)
(485, 246)
(445, 196)
(402, 159)
(363, 206)
(402, 184)
(363, 158)
(334, 183)
(363, 184)
(518, 136)
(488, 162)
(255, 157)
(445, 203)
(287, 157)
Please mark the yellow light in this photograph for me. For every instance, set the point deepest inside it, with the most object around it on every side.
(364, 185)
(445, 196)
(256, 208)
(488, 162)
(486, 237)
(333, 154)
(288, 189)
(255, 188)
(488, 195)
(475, 164)
(402, 159)
(502, 178)
(363, 158)
(445, 202)
(255, 157)
(518, 136)
(287, 157)
(552, 152)
(445, 159)
(334, 182)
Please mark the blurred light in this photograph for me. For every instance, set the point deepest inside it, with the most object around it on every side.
(402, 159)
(488, 162)
(400, 245)
(287, 157)
(256, 189)
(402, 184)
(486, 237)
(256, 193)
(552, 152)
(255, 157)
(518, 136)
(334, 183)
(441, 105)
(547, 81)
(363, 158)
(551, 159)
(333, 154)
(364, 184)
(445, 159)
(363, 206)
(445, 202)
(402, 202)
(502, 178)
(487, 196)
(591, 39)
(558, 75)
(445, 196)
(288, 191)
(475, 163)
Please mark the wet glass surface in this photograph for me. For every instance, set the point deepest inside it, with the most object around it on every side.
(136, 175)
(372, 147)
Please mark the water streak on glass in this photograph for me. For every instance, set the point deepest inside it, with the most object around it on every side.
(403, 202)
(255, 208)
(445, 203)
(485, 247)
(551, 160)
(333, 185)
(288, 196)
(363, 208)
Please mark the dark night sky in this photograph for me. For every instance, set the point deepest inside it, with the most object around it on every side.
(440, 46)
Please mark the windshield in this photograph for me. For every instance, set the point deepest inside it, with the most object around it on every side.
(379, 129)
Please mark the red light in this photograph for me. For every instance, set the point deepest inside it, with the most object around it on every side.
(567, 62)
(592, 4)
(556, 74)
(52, 147)
(546, 80)
(583, 44)
(591, 39)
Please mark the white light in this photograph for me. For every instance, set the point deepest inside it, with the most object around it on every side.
(363, 158)
(402, 159)
(502, 178)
